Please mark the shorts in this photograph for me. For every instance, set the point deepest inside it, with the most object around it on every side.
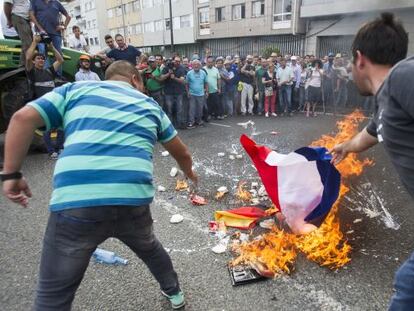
(314, 94)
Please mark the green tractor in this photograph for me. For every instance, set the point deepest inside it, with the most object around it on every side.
(14, 85)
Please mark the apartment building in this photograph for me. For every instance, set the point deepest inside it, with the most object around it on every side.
(146, 23)
(228, 27)
(332, 24)
(91, 19)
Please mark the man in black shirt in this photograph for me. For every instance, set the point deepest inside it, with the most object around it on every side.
(123, 51)
(41, 79)
(378, 46)
(247, 75)
(173, 75)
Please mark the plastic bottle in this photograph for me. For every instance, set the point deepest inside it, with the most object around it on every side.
(108, 257)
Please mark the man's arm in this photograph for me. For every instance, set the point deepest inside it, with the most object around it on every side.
(31, 51)
(58, 57)
(7, 7)
(34, 20)
(180, 153)
(18, 138)
(361, 142)
(243, 70)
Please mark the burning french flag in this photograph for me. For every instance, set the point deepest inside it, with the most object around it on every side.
(302, 184)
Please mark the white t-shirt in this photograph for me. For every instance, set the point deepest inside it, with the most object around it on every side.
(77, 44)
(315, 79)
(20, 7)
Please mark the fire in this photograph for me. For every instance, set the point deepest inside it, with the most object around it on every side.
(275, 252)
(242, 194)
(181, 185)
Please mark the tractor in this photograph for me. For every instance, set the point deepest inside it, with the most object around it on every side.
(14, 86)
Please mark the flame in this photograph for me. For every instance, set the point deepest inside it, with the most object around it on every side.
(275, 252)
(219, 195)
(242, 194)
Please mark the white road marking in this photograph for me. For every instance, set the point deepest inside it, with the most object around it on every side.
(223, 125)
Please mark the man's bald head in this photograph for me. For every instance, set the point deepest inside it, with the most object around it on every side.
(122, 70)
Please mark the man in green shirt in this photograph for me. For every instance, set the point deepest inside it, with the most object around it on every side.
(260, 88)
(153, 83)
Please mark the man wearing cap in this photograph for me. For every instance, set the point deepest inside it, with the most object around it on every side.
(247, 75)
(85, 73)
(153, 83)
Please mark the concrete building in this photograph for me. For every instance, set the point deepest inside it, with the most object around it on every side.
(332, 24)
(229, 27)
(91, 19)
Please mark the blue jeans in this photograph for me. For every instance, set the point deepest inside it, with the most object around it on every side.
(195, 111)
(403, 299)
(57, 43)
(286, 98)
(73, 235)
(175, 103)
(260, 103)
(229, 97)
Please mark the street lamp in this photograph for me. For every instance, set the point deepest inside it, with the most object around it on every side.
(171, 27)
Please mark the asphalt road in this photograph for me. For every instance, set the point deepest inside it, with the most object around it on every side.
(381, 241)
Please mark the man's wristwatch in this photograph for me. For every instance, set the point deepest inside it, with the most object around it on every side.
(15, 175)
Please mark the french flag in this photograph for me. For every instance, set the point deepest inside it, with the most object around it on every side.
(302, 184)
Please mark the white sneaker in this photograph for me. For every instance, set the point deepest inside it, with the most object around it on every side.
(267, 115)
(274, 114)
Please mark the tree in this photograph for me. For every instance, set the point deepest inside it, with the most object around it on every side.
(267, 51)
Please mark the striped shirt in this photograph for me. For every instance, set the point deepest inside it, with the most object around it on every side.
(110, 130)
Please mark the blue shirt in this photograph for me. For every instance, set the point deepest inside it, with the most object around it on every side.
(129, 54)
(47, 14)
(196, 82)
(110, 133)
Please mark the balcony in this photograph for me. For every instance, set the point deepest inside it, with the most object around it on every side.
(314, 8)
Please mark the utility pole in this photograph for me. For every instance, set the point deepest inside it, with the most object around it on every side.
(171, 28)
(123, 20)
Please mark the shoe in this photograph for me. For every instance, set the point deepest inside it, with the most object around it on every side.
(177, 300)
(243, 114)
(274, 114)
(190, 126)
(220, 118)
(54, 155)
(266, 114)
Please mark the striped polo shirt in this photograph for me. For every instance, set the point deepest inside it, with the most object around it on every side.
(110, 132)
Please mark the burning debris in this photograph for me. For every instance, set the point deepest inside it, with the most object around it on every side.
(181, 185)
(242, 194)
(275, 252)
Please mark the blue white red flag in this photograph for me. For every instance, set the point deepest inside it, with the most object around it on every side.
(303, 184)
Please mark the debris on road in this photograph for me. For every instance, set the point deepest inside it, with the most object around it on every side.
(245, 125)
(221, 192)
(242, 194)
(176, 218)
(165, 153)
(107, 257)
(242, 218)
(181, 185)
(173, 172)
(221, 154)
(232, 157)
(357, 220)
(239, 156)
(267, 223)
(198, 200)
(161, 189)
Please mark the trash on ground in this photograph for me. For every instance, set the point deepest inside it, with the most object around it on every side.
(181, 185)
(242, 218)
(221, 154)
(255, 184)
(242, 194)
(212, 226)
(232, 157)
(161, 189)
(267, 223)
(221, 192)
(103, 256)
(198, 200)
(173, 172)
(246, 124)
(239, 156)
(357, 220)
(262, 191)
(165, 153)
(176, 218)
(243, 275)
(221, 247)
(274, 133)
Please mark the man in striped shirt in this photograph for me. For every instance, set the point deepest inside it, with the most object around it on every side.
(102, 180)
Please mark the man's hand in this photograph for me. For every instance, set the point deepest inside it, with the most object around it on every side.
(18, 191)
(339, 152)
(60, 27)
(37, 39)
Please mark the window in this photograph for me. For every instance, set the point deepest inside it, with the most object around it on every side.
(204, 20)
(176, 22)
(110, 13)
(89, 25)
(238, 11)
(113, 33)
(94, 23)
(203, 1)
(138, 28)
(92, 5)
(136, 6)
(149, 27)
(120, 31)
(128, 7)
(147, 4)
(159, 26)
(282, 10)
(258, 8)
(158, 2)
(96, 41)
(91, 41)
(167, 24)
(118, 11)
(131, 29)
(220, 14)
(186, 21)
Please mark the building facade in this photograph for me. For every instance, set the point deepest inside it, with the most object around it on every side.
(332, 24)
(91, 19)
(228, 27)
